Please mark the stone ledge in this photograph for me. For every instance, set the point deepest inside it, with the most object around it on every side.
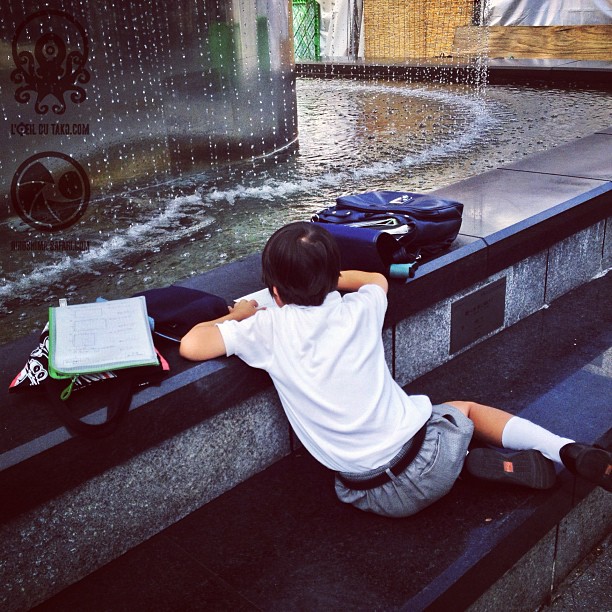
(528, 582)
(581, 73)
(37, 451)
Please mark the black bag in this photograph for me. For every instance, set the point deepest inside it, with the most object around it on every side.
(420, 223)
(115, 387)
(175, 310)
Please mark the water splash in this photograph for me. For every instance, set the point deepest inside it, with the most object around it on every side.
(152, 233)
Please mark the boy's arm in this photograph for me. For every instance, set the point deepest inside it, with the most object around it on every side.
(204, 341)
(352, 280)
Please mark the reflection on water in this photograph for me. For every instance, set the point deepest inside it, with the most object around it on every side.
(354, 136)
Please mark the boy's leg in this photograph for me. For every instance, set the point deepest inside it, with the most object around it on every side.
(489, 422)
(529, 467)
(500, 428)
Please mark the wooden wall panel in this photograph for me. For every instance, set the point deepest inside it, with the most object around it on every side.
(593, 42)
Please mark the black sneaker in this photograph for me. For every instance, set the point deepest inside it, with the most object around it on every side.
(528, 468)
(590, 462)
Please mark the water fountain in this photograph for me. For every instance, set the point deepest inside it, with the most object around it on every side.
(100, 98)
(183, 124)
(135, 96)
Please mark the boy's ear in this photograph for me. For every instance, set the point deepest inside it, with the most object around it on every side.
(276, 297)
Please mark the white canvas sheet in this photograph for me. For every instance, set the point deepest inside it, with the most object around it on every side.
(548, 12)
(335, 28)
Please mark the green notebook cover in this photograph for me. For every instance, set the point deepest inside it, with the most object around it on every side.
(99, 336)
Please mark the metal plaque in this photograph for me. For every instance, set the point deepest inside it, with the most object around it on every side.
(477, 314)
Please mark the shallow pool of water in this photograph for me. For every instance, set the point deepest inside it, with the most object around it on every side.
(354, 136)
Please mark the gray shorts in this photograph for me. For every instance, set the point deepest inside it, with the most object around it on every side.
(429, 476)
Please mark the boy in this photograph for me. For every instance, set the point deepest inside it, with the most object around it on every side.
(393, 454)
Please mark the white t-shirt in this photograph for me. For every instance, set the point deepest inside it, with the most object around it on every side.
(327, 364)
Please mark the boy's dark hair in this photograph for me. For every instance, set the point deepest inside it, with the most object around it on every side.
(302, 261)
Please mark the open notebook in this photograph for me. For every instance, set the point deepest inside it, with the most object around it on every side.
(100, 336)
(263, 298)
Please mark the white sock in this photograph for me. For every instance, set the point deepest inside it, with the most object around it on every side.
(521, 434)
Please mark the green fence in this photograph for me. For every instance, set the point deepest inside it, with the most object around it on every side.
(306, 27)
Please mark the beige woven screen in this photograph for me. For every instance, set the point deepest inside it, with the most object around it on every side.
(408, 29)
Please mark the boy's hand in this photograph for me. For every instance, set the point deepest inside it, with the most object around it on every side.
(243, 309)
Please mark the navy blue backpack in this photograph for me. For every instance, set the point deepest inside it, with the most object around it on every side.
(420, 223)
